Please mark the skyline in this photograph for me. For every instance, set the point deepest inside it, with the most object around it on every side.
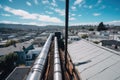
(52, 12)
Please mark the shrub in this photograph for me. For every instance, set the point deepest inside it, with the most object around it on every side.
(84, 36)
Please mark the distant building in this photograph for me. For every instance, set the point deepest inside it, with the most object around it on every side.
(3, 43)
(73, 38)
(114, 37)
(45, 34)
(98, 36)
(110, 42)
(113, 44)
(39, 41)
(31, 56)
(11, 36)
(18, 49)
(80, 34)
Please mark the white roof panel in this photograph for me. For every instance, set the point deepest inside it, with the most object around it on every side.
(95, 62)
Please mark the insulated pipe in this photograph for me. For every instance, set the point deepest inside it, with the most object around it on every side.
(38, 66)
(57, 65)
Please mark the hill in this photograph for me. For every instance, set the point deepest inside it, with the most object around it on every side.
(29, 27)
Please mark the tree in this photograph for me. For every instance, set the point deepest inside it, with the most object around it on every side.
(83, 27)
(91, 29)
(101, 27)
(7, 64)
(84, 36)
(9, 61)
(10, 42)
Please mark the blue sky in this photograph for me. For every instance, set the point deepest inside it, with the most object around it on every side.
(52, 12)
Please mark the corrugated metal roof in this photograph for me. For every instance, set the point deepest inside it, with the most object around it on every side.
(95, 62)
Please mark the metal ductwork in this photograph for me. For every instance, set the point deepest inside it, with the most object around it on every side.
(57, 65)
(37, 70)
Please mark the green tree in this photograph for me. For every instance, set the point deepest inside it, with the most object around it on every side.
(84, 36)
(96, 42)
(8, 61)
(10, 42)
(7, 64)
(101, 27)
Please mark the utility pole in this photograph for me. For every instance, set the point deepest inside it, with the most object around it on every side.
(66, 28)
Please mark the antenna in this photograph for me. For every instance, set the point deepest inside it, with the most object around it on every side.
(66, 28)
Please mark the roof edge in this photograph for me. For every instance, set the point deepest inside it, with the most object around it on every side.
(105, 48)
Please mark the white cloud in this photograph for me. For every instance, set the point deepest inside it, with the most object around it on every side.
(62, 0)
(73, 8)
(99, 1)
(29, 23)
(96, 14)
(48, 12)
(90, 7)
(54, 3)
(36, 2)
(85, 6)
(85, 23)
(21, 13)
(77, 2)
(9, 22)
(82, 3)
(45, 1)
(0, 6)
(28, 3)
(60, 11)
(103, 7)
(115, 22)
(26, 15)
(34, 23)
(72, 18)
(52, 8)
(47, 18)
(10, 1)
(5, 14)
(73, 14)
(79, 15)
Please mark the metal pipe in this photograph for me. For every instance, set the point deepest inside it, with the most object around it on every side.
(38, 66)
(57, 65)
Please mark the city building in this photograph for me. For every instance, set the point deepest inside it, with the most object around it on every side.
(31, 56)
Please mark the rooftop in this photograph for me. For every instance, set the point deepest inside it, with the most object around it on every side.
(19, 46)
(95, 62)
(18, 73)
(35, 51)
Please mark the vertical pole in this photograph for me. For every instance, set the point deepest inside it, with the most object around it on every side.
(66, 28)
